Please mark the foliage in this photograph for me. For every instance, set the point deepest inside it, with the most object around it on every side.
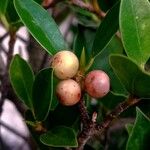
(117, 43)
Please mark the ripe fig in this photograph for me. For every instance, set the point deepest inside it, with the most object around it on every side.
(65, 64)
(68, 92)
(97, 83)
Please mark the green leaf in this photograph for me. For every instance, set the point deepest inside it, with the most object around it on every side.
(42, 93)
(11, 14)
(3, 6)
(134, 27)
(129, 128)
(101, 62)
(59, 136)
(140, 134)
(21, 77)
(41, 25)
(39, 1)
(54, 102)
(106, 30)
(85, 17)
(63, 115)
(84, 39)
(31, 122)
(130, 74)
(8, 15)
(111, 100)
(105, 5)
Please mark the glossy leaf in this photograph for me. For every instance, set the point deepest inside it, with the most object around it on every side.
(59, 136)
(11, 14)
(129, 128)
(42, 93)
(3, 6)
(41, 25)
(130, 74)
(134, 27)
(39, 1)
(63, 115)
(111, 100)
(85, 17)
(106, 30)
(105, 5)
(31, 122)
(84, 39)
(54, 102)
(21, 77)
(101, 62)
(140, 134)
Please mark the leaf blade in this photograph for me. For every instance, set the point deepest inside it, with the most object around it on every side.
(41, 25)
(60, 136)
(103, 35)
(3, 6)
(132, 76)
(21, 77)
(134, 23)
(42, 93)
(137, 141)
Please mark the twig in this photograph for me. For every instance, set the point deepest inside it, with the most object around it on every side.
(91, 127)
(87, 132)
(83, 112)
(87, 125)
(116, 112)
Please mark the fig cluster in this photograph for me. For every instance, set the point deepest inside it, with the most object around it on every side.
(66, 67)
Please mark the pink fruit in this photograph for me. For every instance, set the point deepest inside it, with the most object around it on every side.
(68, 92)
(97, 83)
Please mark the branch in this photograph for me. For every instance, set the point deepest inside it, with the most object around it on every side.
(116, 112)
(91, 127)
(83, 112)
(88, 125)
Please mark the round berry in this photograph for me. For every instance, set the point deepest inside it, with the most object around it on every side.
(65, 64)
(68, 92)
(97, 83)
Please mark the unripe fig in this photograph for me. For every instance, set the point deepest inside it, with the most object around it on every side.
(97, 83)
(65, 64)
(68, 92)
